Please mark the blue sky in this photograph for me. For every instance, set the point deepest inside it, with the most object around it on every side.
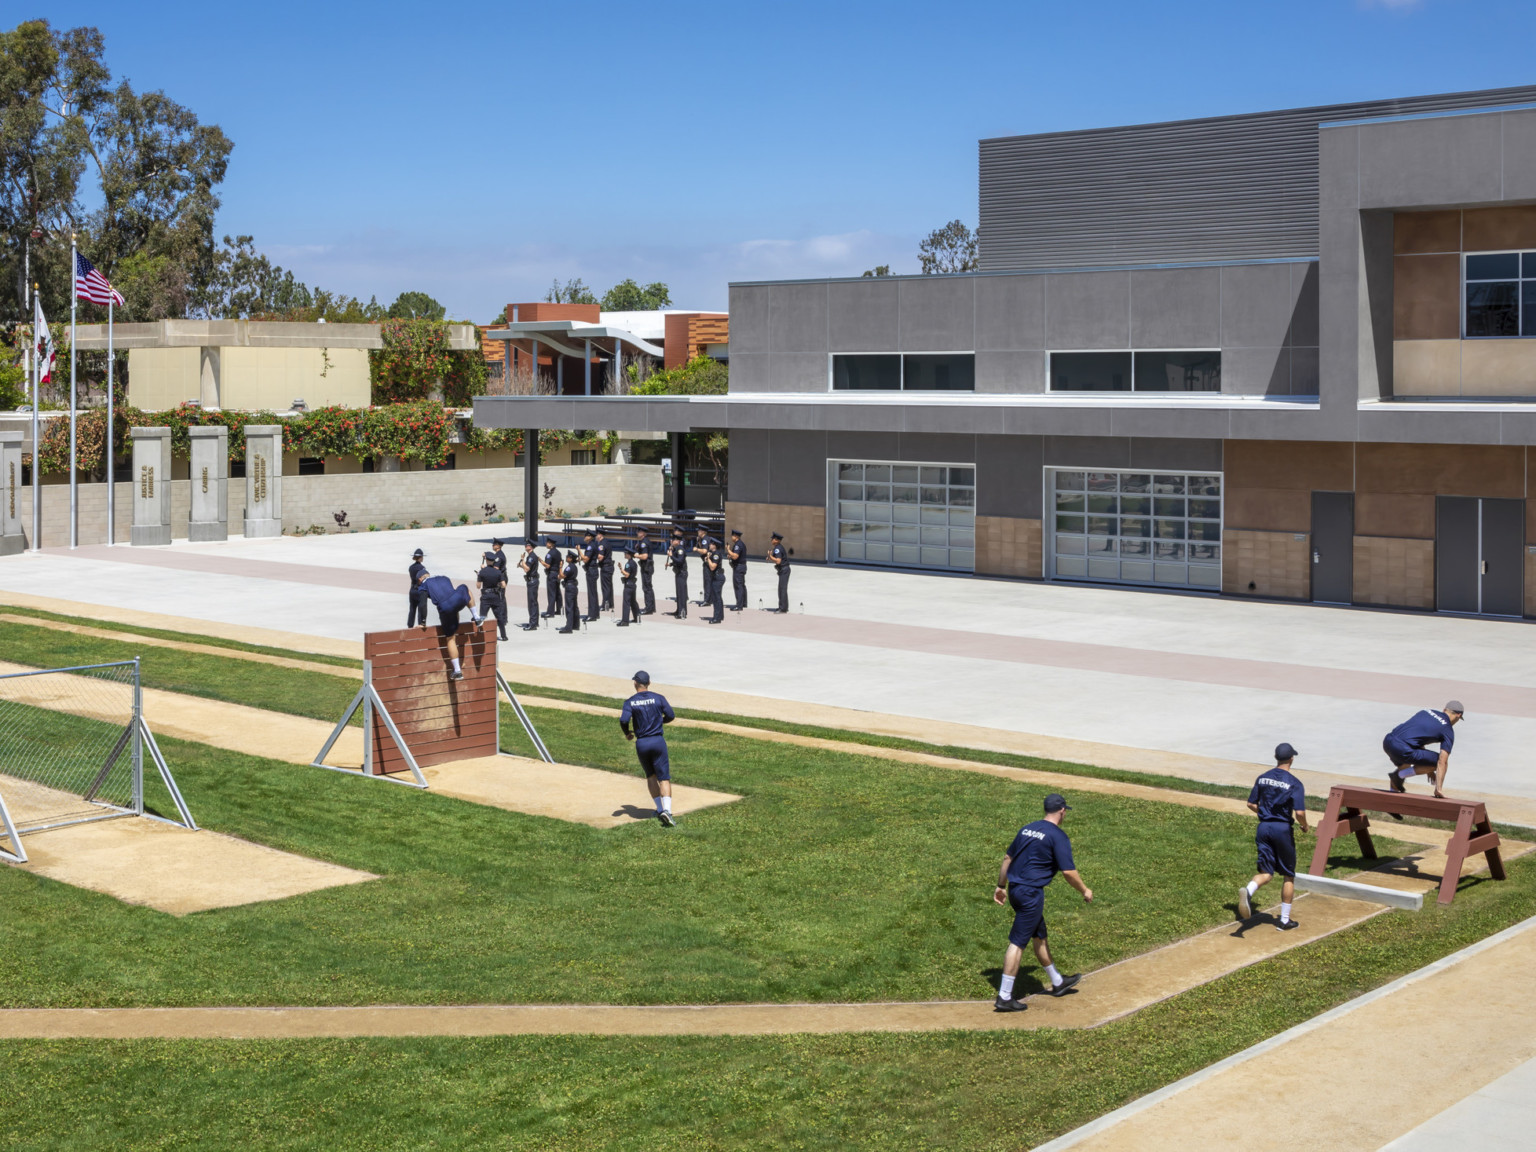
(478, 151)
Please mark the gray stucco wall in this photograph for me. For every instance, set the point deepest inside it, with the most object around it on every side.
(784, 467)
(1263, 316)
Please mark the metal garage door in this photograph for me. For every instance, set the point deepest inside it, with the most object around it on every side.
(903, 514)
(1124, 527)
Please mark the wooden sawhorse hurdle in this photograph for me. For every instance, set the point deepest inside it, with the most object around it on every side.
(1346, 813)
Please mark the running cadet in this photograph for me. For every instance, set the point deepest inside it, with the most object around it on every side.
(1037, 853)
(1406, 747)
(450, 601)
(1278, 799)
(649, 711)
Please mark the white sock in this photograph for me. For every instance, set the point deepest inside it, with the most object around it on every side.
(1253, 886)
(656, 800)
(1406, 773)
(455, 660)
(1005, 989)
(1285, 913)
(1050, 970)
(666, 804)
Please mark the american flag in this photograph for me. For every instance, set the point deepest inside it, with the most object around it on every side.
(92, 285)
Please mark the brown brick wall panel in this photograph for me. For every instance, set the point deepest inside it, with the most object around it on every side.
(1426, 297)
(440, 719)
(1442, 469)
(1288, 464)
(1530, 581)
(1494, 228)
(1277, 564)
(1394, 573)
(1390, 514)
(804, 527)
(1426, 232)
(1008, 546)
(1268, 509)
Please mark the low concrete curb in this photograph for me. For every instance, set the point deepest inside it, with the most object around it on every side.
(1352, 890)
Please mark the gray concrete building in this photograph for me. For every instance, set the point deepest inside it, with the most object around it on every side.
(1283, 354)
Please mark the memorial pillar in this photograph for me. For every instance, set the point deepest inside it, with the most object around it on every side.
(263, 480)
(209, 513)
(12, 540)
(151, 486)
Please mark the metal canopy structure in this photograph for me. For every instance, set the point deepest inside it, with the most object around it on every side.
(573, 338)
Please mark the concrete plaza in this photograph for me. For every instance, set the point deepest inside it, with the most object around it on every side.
(1187, 675)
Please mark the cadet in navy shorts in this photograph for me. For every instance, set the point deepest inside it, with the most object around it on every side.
(1407, 746)
(449, 601)
(1037, 853)
(1278, 799)
(649, 712)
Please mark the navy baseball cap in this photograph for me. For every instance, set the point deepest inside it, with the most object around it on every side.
(1055, 802)
(1284, 752)
(641, 677)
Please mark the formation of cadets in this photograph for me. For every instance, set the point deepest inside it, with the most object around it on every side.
(593, 564)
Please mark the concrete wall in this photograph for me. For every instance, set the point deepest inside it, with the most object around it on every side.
(1263, 317)
(377, 499)
(250, 378)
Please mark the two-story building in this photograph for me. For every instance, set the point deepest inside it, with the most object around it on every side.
(1282, 355)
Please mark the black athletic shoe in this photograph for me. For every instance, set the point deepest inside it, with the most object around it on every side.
(455, 675)
(1244, 904)
(1395, 782)
(1001, 1005)
(1287, 925)
(1066, 985)
(666, 820)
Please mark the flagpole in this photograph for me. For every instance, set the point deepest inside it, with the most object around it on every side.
(74, 492)
(111, 432)
(37, 443)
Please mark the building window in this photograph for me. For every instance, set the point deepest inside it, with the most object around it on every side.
(311, 466)
(1158, 370)
(583, 455)
(913, 372)
(1500, 294)
(905, 515)
(1135, 527)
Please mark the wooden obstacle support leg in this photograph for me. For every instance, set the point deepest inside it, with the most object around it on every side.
(1360, 824)
(1326, 832)
(1487, 842)
(1455, 853)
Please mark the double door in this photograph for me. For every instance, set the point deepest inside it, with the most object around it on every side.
(1479, 555)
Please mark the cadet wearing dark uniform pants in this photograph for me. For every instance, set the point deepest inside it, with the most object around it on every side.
(736, 553)
(493, 592)
(569, 577)
(701, 543)
(552, 563)
(1037, 853)
(417, 594)
(1405, 746)
(677, 560)
(528, 565)
(714, 582)
(647, 561)
(627, 575)
(1279, 799)
(605, 569)
(648, 711)
(449, 602)
(589, 565)
(779, 556)
(498, 557)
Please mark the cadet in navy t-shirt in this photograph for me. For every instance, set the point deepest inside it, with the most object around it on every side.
(449, 601)
(1277, 798)
(648, 711)
(1407, 746)
(1038, 852)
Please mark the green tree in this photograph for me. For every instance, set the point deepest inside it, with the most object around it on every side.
(879, 270)
(416, 306)
(701, 376)
(571, 292)
(627, 296)
(952, 248)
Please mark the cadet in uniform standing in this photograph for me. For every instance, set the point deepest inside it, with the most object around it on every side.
(493, 592)
(569, 577)
(677, 560)
(779, 555)
(417, 595)
(552, 564)
(498, 557)
(589, 567)
(627, 575)
(736, 552)
(701, 543)
(714, 582)
(1037, 853)
(1406, 747)
(605, 569)
(528, 564)
(1274, 798)
(648, 711)
(647, 562)
(450, 601)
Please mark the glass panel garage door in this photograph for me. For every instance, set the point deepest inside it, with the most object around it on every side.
(1137, 527)
(911, 515)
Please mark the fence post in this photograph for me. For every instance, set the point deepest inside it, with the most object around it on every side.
(138, 740)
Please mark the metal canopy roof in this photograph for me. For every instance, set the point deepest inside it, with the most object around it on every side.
(562, 335)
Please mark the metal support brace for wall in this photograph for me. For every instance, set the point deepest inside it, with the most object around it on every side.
(368, 699)
(16, 854)
(517, 707)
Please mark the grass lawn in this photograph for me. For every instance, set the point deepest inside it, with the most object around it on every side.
(974, 1091)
